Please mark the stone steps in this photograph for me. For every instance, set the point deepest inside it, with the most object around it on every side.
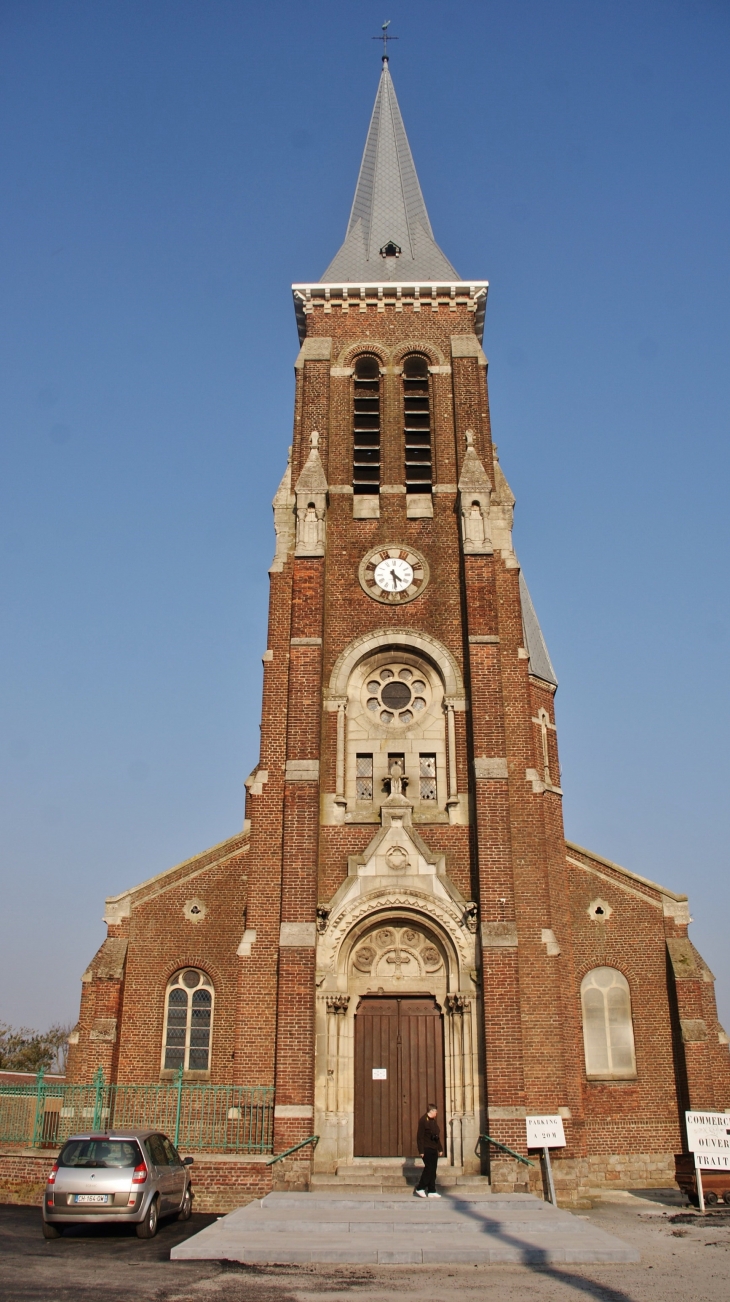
(391, 1174)
(396, 1228)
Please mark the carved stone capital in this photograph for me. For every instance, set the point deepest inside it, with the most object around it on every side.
(457, 1003)
(337, 1003)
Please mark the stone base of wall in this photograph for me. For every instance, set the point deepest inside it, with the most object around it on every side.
(291, 1175)
(221, 1182)
(580, 1180)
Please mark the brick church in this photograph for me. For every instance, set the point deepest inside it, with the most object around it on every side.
(401, 920)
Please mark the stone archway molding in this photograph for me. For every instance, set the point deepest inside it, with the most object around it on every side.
(443, 916)
(407, 639)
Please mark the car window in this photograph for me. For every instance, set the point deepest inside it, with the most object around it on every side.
(156, 1150)
(100, 1152)
(173, 1157)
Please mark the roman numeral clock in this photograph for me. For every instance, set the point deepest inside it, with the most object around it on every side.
(393, 574)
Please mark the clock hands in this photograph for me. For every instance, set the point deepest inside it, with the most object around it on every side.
(386, 576)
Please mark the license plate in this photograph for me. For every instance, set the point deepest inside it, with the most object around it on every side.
(91, 1198)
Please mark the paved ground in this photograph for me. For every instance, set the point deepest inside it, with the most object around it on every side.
(391, 1229)
(684, 1259)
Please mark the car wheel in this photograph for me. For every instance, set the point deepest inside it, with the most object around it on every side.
(726, 1197)
(186, 1206)
(51, 1231)
(147, 1228)
(711, 1198)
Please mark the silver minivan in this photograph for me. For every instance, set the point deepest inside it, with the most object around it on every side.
(127, 1176)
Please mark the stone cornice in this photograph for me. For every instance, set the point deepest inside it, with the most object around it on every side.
(424, 296)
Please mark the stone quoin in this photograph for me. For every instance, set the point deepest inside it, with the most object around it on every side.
(402, 899)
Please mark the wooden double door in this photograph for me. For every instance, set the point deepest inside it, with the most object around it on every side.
(399, 1070)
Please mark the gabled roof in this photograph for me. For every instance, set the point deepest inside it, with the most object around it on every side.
(388, 208)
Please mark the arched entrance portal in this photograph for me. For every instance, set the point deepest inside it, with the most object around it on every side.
(396, 1025)
(399, 1070)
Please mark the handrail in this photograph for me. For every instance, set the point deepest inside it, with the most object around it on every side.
(313, 1139)
(505, 1149)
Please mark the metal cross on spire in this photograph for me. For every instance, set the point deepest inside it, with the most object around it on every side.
(385, 38)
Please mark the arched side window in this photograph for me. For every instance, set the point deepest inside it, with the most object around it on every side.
(417, 425)
(608, 1032)
(366, 426)
(188, 1021)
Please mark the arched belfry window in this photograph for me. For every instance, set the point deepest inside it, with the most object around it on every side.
(417, 425)
(188, 1021)
(366, 426)
(608, 1032)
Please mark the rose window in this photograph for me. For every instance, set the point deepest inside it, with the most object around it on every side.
(396, 694)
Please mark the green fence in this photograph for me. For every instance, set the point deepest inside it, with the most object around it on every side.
(212, 1118)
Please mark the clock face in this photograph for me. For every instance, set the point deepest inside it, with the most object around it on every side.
(393, 574)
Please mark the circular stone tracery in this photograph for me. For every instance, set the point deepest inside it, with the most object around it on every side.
(397, 952)
(396, 694)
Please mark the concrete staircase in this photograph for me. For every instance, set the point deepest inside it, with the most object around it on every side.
(398, 1229)
(392, 1175)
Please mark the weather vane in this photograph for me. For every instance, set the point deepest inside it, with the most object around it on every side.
(385, 38)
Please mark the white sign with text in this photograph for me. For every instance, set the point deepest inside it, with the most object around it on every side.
(545, 1132)
(380, 1073)
(708, 1137)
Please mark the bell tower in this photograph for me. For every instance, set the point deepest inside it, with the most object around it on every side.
(401, 920)
(406, 831)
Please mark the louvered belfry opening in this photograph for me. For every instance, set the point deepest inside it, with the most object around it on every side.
(417, 425)
(366, 426)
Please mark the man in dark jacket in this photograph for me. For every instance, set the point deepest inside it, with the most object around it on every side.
(428, 1143)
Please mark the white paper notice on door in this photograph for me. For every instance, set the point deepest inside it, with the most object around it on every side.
(380, 1073)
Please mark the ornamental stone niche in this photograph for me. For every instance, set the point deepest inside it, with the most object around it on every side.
(475, 500)
(311, 503)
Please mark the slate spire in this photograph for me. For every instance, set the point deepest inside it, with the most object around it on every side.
(389, 236)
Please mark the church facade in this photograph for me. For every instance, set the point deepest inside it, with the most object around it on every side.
(401, 920)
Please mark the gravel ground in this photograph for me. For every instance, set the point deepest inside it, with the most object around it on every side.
(684, 1257)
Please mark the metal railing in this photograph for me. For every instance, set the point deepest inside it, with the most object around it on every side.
(505, 1149)
(313, 1139)
(210, 1118)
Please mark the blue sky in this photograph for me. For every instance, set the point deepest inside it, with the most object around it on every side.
(168, 169)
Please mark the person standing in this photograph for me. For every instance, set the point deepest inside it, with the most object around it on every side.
(428, 1142)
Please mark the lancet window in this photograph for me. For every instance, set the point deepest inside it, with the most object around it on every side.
(427, 777)
(188, 1021)
(366, 426)
(608, 1032)
(417, 425)
(364, 778)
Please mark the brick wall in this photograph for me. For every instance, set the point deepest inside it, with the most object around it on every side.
(23, 1176)
(220, 1183)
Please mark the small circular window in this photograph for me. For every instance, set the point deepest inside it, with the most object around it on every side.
(396, 695)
